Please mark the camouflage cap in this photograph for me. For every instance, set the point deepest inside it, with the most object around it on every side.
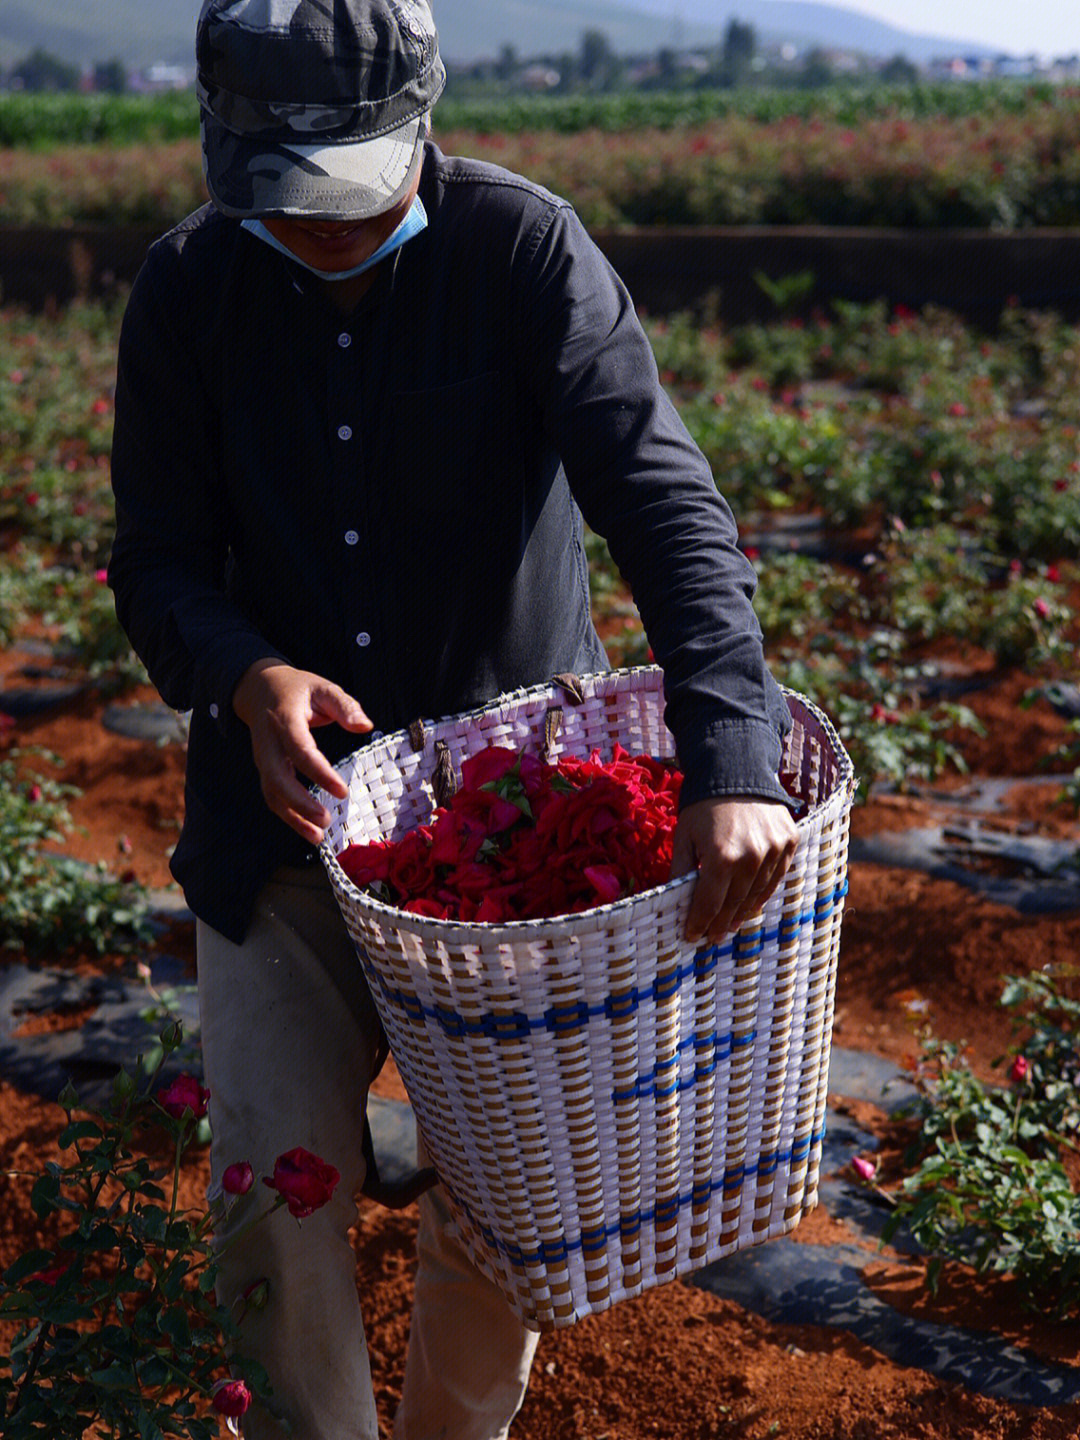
(314, 107)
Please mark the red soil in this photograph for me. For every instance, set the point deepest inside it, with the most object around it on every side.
(680, 1363)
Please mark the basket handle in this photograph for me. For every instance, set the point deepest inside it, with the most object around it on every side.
(393, 1194)
(575, 693)
(444, 782)
(572, 685)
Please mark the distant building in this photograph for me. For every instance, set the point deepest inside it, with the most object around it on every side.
(540, 77)
(1005, 67)
(162, 76)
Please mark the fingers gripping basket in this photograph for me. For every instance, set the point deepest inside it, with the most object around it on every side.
(607, 1106)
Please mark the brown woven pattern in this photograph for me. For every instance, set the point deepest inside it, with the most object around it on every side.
(607, 1106)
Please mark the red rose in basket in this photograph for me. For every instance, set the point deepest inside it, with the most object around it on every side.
(523, 839)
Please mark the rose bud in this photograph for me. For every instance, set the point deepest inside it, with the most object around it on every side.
(238, 1179)
(1019, 1068)
(257, 1293)
(865, 1169)
(230, 1398)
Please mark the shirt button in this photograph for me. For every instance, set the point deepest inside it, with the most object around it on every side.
(352, 537)
(344, 432)
(363, 639)
(214, 711)
(344, 340)
(375, 735)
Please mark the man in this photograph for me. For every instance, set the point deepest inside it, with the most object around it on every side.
(364, 398)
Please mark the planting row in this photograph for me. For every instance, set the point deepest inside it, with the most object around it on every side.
(1000, 166)
(902, 482)
(41, 120)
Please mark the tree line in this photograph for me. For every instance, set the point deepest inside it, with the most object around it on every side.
(593, 67)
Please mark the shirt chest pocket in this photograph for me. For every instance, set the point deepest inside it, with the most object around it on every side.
(455, 451)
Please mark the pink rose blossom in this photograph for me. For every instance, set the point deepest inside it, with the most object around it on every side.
(183, 1094)
(487, 766)
(305, 1181)
(1019, 1068)
(605, 882)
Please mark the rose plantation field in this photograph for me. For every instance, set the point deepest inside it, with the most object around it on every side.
(938, 156)
(908, 488)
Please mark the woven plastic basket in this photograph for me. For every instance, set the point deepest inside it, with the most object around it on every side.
(607, 1106)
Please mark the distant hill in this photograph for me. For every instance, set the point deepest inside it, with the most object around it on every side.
(806, 24)
(138, 32)
(142, 32)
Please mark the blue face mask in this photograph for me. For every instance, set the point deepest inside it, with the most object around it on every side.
(414, 222)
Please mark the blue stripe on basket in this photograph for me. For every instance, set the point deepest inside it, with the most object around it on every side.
(567, 1017)
(628, 1226)
(721, 1046)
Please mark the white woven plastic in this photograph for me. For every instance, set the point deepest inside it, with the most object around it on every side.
(607, 1106)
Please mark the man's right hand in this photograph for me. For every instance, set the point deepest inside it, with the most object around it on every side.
(281, 706)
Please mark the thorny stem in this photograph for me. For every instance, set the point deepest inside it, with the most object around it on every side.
(95, 1192)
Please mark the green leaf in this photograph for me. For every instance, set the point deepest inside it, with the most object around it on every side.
(148, 1430)
(154, 1372)
(113, 1377)
(45, 1195)
(174, 1324)
(27, 1263)
(78, 1130)
(1013, 1155)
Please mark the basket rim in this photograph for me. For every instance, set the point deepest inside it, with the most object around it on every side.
(573, 922)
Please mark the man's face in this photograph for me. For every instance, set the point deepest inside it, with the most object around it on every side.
(339, 244)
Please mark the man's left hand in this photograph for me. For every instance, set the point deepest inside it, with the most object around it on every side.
(741, 849)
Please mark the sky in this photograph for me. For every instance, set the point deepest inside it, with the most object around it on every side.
(1020, 27)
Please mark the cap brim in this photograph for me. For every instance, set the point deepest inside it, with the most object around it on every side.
(350, 180)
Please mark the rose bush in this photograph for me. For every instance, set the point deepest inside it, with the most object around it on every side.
(116, 1331)
(986, 1178)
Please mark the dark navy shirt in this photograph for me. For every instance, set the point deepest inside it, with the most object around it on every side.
(393, 499)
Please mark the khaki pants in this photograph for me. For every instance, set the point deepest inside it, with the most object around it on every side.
(288, 1037)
